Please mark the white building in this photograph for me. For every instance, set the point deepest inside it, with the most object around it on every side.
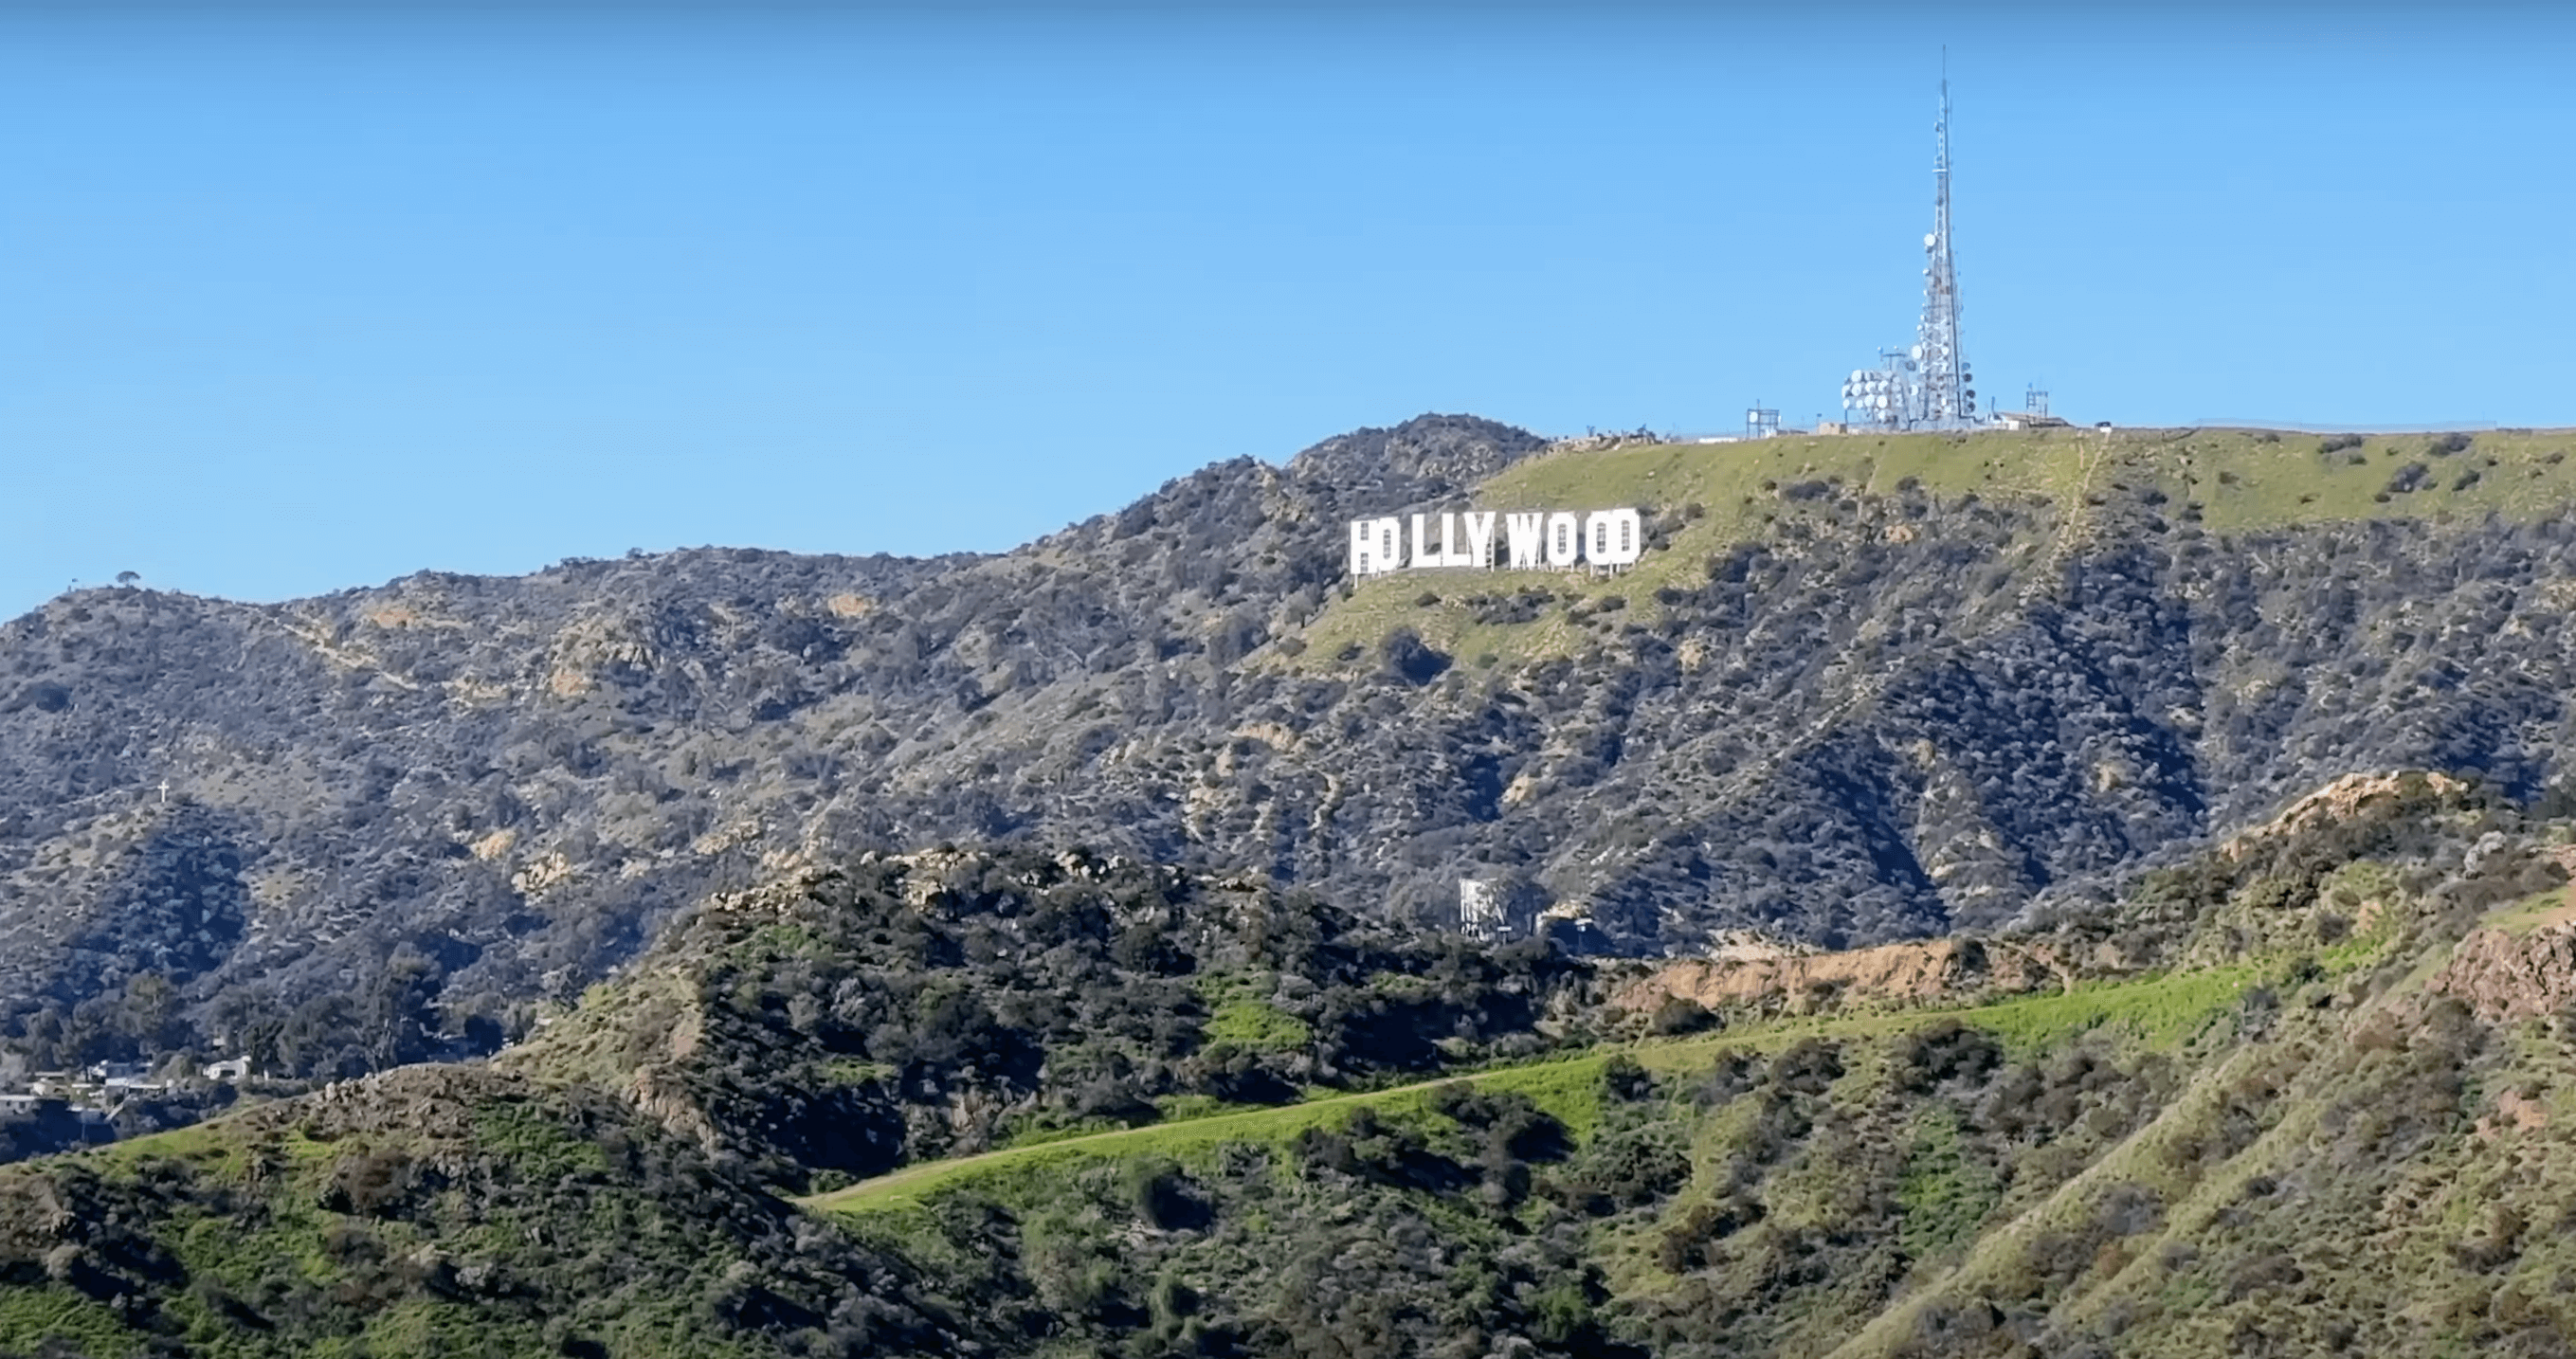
(1480, 911)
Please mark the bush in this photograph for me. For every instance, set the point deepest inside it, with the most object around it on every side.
(1165, 1199)
(1404, 655)
(1624, 1080)
(1680, 1015)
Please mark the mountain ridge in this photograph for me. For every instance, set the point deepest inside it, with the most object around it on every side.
(1860, 690)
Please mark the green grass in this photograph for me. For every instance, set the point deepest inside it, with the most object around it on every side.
(1040, 1134)
(536, 1146)
(1256, 1025)
(1725, 480)
(596, 1041)
(2240, 481)
(30, 1316)
(2162, 1011)
(201, 1144)
(1237, 1015)
(1568, 1090)
(1180, 1108)
(2532, 912)
(1945, 1194)
(852, 1071)
(995, 1172)
(786, 939)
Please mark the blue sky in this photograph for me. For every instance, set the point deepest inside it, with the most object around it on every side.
(304, 297)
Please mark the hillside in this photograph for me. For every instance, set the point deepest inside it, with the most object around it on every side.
(2305, 1092)
(433, 1211)
(897, 1009)
(1858, 691)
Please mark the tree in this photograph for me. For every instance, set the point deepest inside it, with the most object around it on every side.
(150, 1014)
(400, 1024)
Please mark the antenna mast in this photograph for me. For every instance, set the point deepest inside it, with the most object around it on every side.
(1927, 386)
(1947, 398)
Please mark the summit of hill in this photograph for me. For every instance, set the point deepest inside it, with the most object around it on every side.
(1858, 689)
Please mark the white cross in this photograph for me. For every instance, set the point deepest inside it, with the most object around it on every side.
(165, 792)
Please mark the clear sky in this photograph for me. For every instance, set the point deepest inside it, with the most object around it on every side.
(303, 297)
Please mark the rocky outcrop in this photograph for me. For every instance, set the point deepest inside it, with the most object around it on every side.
(2343, 800)
(1892, 974)
(2507, 976)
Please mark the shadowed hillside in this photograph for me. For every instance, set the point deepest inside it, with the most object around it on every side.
(1858, 690)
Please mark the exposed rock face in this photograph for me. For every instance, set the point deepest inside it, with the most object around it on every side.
(2341, 800)
(2506, 977)
(1888, 974)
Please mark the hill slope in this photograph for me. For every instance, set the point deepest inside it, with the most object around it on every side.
(1860, 690)
(901, 1008)
(2304, 1093)
(2308, 1147)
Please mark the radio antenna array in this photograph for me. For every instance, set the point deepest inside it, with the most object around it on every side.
(1927, 386)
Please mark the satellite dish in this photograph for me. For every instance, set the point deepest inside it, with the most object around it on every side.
(1918, 353)
(1929, 239)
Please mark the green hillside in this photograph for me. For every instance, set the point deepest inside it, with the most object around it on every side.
(1704, 498)
(429, 1211)
(2161, 1013)
(2313, 1091)
(2313, 1147)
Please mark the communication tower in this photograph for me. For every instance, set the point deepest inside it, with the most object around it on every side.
(1948, 401)
(1927, 386)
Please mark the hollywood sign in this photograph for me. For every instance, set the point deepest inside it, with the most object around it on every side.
(1531, 541)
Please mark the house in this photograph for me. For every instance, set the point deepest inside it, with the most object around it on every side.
(230, 1069)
